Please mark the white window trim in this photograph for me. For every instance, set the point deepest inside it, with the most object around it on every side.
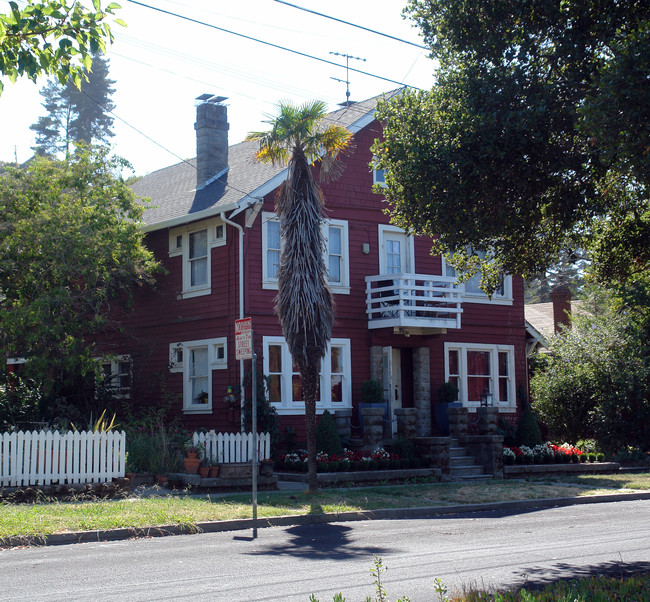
(376, 181)
(463, 348)
(214, 363)
(212, 226)
(115, 362)
(341, 288)
(384, 229)
(481, 297)
(290, 407)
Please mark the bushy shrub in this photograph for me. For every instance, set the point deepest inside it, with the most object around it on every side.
(596, 382)
(328, 439)
(528, 432)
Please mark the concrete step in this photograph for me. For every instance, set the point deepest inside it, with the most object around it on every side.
(472, 477)
(462, 461)
(472, 469)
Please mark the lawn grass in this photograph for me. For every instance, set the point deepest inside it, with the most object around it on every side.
(48, 517)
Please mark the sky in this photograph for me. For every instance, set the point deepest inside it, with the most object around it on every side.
(161, 63)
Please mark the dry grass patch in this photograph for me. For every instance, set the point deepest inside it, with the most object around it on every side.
(45, 518)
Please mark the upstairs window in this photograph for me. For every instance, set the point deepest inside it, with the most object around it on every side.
(193, 244)
(335, 233)
(472, 286)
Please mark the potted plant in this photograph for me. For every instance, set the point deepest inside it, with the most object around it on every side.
(447, 394)
(213, 464)
(192, 459)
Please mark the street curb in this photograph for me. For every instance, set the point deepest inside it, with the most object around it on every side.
(311, 519)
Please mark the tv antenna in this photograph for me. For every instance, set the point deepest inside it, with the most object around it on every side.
(346, 81)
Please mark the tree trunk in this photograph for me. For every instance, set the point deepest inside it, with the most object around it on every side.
(309, 391)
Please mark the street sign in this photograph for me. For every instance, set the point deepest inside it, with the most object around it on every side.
(244, 339)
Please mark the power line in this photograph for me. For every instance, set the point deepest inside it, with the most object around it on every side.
(379, 33)
(241, 35)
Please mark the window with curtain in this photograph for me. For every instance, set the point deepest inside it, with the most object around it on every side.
(285, 384)
(477, 369)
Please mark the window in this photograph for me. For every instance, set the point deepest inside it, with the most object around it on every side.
(116, 377)
(335, 233)
(196, 360)
(481, 369)
(285, 384)
(193, 243)
(472, 291)
(378, 177)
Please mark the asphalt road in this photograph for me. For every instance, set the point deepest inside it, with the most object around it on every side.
(289, 563)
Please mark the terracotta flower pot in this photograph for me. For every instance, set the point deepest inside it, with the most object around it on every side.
(214, 472)
(203, 471)
(191, 465)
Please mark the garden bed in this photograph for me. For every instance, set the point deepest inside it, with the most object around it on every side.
(362, 477)
(528, 470)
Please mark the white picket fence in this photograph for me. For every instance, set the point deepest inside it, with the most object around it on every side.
(233, 447)
(45, 457)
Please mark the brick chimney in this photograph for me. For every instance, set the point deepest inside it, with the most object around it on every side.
(561, 297)
(211, 138)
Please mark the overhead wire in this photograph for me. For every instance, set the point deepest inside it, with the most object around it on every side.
(379, 33)
(270, 44)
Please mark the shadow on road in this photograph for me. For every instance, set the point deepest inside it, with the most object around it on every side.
(327, 540)
(538, 578)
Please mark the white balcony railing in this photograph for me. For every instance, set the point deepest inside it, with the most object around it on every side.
(413, 301)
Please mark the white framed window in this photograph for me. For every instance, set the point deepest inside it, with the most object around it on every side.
(193, 243)
(196, 360)
(378, 177)
(285, 385)
(471, 288)
(116, 376)
(478, 370)
(335, 233)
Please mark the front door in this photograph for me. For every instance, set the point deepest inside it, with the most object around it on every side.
(393, 391)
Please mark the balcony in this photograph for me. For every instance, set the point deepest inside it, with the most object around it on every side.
(413, 303)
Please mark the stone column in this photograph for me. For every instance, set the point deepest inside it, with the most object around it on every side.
(377, 363)
(487, 420)
(343, 419)
(406, 422)
(373, 426)
(457, 421)
(422, 390)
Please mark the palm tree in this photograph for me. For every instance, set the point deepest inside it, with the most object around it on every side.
(304, 304)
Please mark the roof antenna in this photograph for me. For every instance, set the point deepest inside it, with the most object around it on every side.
(346, 81)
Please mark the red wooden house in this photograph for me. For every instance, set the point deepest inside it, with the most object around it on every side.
(401, 317)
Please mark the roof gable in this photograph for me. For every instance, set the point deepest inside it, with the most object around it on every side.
(175, 199)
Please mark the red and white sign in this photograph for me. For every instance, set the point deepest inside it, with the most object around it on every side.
(244, 339)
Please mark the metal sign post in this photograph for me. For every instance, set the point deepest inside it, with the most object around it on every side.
(244, 351)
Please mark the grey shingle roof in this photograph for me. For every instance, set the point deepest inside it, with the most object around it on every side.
(173, 193)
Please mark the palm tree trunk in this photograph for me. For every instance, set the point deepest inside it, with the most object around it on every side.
(309, 390)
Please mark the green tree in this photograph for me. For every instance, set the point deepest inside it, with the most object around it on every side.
(304, 303)
(535, 137)
(76, 114)
(596, 378)
(71, 253)
(53, 37)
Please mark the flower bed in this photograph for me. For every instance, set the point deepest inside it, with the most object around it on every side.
(548, 453)
(350, 461)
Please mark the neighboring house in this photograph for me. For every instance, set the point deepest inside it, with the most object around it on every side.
(545, 319)
(400, 316)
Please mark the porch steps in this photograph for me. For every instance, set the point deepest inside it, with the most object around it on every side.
(463, 467)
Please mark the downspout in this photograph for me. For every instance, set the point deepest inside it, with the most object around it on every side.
(241, 300)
